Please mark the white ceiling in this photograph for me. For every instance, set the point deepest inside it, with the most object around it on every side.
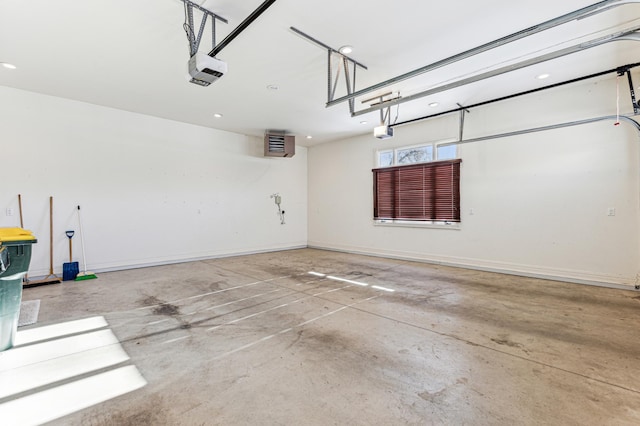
(132, 55)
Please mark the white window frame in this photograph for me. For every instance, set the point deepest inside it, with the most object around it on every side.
(434, 147)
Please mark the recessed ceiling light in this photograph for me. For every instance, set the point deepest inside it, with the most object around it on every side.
(273, 87)
(433, 104)
(363, 122)
(309, 137)
(8, 66)
(345, 50)
(217, 115)
(543, 76)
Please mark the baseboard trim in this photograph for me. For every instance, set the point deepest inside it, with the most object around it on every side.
(521, 270)
(174, 261)
(473, 264)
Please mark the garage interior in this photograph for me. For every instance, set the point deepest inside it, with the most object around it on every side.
(239, 286)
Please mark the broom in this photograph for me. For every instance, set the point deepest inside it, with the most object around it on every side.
(83, 275)
(51, 278)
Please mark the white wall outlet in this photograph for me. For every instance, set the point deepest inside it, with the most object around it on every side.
(611, 211)
(9, 212)
(472, 212)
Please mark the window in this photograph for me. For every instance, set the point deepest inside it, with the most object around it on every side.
(413, 186)
(418, 192)
(416, 154)
(419, 154)
(385, 158)
(447, 152)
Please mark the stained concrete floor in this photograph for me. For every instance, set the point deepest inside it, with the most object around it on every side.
(257, 340)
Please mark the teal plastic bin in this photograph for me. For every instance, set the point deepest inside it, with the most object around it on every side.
(15, 255)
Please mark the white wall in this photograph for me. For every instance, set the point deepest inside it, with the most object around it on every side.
(151, 190)
(540, 200)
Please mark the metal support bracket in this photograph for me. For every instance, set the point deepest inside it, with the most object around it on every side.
(634, 102)
(463, 111)
(385, 111)
(385, 115)
(194, 41)
(346, 65)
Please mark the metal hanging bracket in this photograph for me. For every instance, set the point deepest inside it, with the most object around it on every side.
(345, 64)
(194, 40)
(463, 111)
(627, 70)
(385, 111)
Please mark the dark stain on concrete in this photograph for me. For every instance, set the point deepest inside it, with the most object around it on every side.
(150, 413)
(432, 396)
(150, 300)
(326, 344)
(504, 340)
(166, 309)
(418, 301)
(204, 284)
(507, 342)
(360, 274)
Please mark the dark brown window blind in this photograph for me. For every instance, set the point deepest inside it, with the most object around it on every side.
(428, 191)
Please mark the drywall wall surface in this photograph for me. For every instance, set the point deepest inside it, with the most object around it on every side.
(151, 190)
(536, 204)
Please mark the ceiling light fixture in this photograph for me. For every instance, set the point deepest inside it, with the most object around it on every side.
(272, 87)
(543, 76)
(363, 122)
(309, 137)
(8, 66)
(217, 115)
(433, 104)
(345, 50)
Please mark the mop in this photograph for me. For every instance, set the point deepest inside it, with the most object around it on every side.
(83, 275)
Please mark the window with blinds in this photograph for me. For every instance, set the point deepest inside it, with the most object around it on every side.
(418, 192)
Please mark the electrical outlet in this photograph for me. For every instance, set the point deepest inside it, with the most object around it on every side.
(611, 211)
(472, 212)
(9, 212)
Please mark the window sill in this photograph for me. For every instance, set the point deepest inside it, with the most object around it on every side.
(410, 224)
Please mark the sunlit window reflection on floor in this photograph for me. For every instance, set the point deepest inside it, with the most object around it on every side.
(344, 280)
(59, 369)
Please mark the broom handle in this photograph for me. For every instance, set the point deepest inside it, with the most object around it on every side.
(84, 257)
(25, 279)
(50, 235)
(20, 209)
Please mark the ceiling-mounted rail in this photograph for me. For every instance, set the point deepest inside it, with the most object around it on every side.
(630, 34)
(625, 69)
(243, 25)
(325, 46)
(622, 119)
(582, 13)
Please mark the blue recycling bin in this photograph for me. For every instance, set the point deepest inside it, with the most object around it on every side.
(15, 255)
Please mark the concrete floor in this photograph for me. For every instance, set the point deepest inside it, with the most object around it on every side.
(257, 340)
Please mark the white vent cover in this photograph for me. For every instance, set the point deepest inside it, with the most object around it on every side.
(277, 144)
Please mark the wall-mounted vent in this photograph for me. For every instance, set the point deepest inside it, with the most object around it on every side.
(277, 144)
